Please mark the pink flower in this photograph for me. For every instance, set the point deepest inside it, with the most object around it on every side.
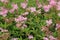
(39, 5)
(58, 5)
(23, 5)
(17, 19)
(24, 25)
(46, 8)
(11, 10)
(15, 6)
(20, 19)
(49, 22)
(33, 9)
(52, 2)
(57, 26)
(18, 25)
(4, 1)
(58, 2)
(52, 38)
(30, 36)
(4, 12)
(45, 38)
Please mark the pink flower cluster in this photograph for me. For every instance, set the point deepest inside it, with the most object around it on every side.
(20, 19)
(52, 38)
(14, 7)
(4, 1)
(49, 38)
(58, 5)
(30, 36)
(32, 9)
(45, 38)
(49, 22)
(3, 11)
(23, 5)
(46, 8)
(52, 3)
(57, 26)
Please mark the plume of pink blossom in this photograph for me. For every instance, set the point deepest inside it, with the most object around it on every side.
(30, 36)
(3, 12)
(46, 8)
(52, 38)
(15, 6)
(58, 5)
(18, 25)
(23, 5)
(49, 22)
(52, 2)
(33, 9)
(24, 25)
(45, 38)
(11, 10)
(57, 26)
(38, 4)
(4, 1)
(20, 19)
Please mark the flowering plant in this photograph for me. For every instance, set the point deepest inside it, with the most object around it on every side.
(30, 19)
